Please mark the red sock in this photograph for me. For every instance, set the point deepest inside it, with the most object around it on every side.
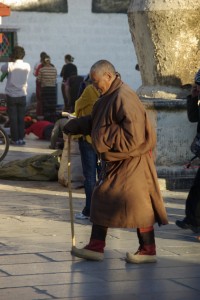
(96, 245)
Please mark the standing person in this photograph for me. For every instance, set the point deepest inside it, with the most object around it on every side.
(89, 159)
(127, 194)
(38, 64)
(16, 92)
(37, 67)
(69, 69)
(47, 76)
(192, 205)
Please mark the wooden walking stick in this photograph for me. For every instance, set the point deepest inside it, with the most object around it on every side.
(70, 191)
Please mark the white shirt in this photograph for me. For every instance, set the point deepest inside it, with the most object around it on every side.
(18, 73)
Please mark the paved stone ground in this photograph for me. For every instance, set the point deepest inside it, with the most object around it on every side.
(35, 244)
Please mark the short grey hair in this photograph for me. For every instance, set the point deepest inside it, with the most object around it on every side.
(103, 66)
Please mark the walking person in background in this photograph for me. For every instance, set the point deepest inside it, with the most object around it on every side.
(89, 159)
(192, 206)
(47, 76)
(127, 194)
(16, 92)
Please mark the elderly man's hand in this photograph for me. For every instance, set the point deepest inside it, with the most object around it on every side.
(72, 127)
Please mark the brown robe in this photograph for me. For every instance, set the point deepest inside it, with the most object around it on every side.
(127, 194)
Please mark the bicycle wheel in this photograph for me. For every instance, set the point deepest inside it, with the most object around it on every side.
(4, 144)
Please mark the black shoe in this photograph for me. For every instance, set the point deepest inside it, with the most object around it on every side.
(185, 225)
(86, 212)
(182, 224)
(195, 229)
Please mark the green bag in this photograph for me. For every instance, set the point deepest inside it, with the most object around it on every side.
(42, 167)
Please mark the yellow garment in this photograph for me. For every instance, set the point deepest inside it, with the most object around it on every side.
(84, 104)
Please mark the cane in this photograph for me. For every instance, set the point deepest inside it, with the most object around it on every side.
(70, 191)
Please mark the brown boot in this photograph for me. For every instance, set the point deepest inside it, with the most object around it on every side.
(145, 254)
(93, 251)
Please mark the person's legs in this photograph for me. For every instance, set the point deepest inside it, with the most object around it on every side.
(146, 240)
(95, 249)
(39, 104)
(192, 207)
(21, 109)
(45, 95)
(89, 165)
(146, 252)
(12, 113)
(49, 98)
(63, 90)
(97, 239)
(47, 132)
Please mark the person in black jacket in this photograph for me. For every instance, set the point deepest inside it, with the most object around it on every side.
(69, 69)
(192, 206)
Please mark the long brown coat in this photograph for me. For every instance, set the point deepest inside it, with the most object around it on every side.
(127, 194)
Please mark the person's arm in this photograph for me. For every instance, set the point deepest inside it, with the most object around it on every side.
(28, 67)
(81, 125)
(55, 134)
(34, 70)
(38, 69)
(4, 68)
(62, 72)
(39, 77)
(85, 103)
(3, 76)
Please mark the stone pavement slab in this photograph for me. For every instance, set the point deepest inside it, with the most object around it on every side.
(35, 245)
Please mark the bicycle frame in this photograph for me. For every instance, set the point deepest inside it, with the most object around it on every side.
(4, 143)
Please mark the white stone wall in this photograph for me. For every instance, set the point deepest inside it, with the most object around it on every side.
(87, 36)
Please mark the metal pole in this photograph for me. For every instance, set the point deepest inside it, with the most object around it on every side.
(70, 191)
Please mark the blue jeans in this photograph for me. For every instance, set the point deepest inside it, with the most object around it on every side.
(16, 107)
(91, 169)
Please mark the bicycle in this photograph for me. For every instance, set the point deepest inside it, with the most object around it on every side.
(4, 143)
(4, 138)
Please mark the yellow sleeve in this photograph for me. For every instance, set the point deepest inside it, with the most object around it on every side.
(84, 105)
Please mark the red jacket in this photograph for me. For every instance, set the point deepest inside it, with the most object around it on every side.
(38, 128)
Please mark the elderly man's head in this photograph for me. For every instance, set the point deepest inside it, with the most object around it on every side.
(102, 74)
